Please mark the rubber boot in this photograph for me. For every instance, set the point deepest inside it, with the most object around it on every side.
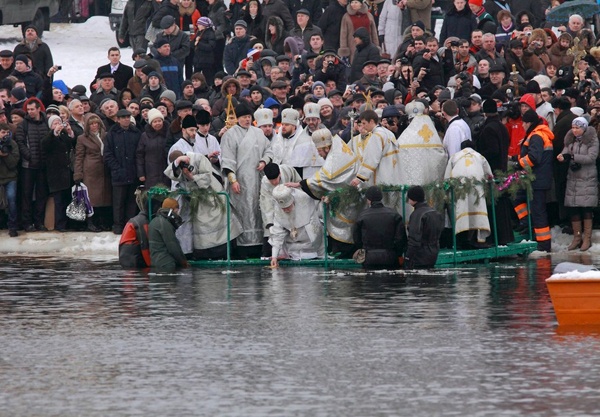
(587, 234)
(576, 224)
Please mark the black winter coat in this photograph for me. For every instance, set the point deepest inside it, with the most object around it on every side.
(151, 156)
(381, 232)
(330, 24)
(459, 24)
(120, 154)
(366, 51)
(424, 229)
(40, 56)
(33, 82)
(493, 143)
(56, 152)
(380, 227)
(235, 52)
(313, 6)
(166, 9)
(134, 21)
(29, 137)
(204, 49)
(217, 15)
(277, 8)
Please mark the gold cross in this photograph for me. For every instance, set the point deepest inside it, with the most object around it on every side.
(425, 133)
(577, 51)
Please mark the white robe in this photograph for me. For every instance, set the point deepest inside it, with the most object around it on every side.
(458, 131)
(298, 234)
(209, 223)
(242, 150)
(390, 25)
(267, 202)
(421, 153)
(470, 214)
(298, 151)
(377, 153)
(184, 232)
(338, 170)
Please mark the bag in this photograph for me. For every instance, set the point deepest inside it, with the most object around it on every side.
(151, 33)
(80, 208)
(384, 53)
(76, 210)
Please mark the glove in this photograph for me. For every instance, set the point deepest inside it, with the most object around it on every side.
(516, 165)
(381, 39)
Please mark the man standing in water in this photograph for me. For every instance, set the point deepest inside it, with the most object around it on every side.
(424, 229)
(380, 232)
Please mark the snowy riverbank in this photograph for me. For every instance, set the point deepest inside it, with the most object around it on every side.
(104, 246)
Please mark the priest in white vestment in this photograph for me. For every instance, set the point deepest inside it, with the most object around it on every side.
(209, 220)
(274, 175)
(297, 232)
(421, 152)
(293, 146)
(245, 153)
(471, 213)
(339, 170)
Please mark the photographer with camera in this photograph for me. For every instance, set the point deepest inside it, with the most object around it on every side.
(56, 148)
(330, 67)
(462, 59)
(580, 153)
(428, 66)
(9, 161)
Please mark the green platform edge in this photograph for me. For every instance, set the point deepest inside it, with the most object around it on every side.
(446, 258)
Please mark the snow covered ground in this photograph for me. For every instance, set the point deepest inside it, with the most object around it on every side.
(81, 49)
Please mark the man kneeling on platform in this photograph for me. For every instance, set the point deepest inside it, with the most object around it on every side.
(424, 229)
(165, 251)
(380, 232)
(297, 232)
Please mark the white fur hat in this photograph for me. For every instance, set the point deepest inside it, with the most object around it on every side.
(283, 196)
(263, 117)
(51, 120)
(153, 114)
(312, 110)
(325, 102)
(414, 108)
(290, 116)
(543, 80)
(577, 111)
(322, 138)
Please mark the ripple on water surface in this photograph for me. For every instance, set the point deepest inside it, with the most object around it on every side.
(87, 338)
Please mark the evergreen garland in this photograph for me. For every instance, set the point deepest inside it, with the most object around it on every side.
(438, 194)
(196, 197)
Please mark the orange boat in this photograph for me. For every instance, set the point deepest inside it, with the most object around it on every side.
(576, 297)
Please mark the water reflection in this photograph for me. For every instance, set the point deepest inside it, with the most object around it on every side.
(87, 338)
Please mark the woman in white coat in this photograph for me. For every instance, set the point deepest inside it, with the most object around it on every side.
(390, 26)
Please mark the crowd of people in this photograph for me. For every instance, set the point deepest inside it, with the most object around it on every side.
(261, 95)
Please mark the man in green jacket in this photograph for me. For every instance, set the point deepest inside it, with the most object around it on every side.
(165, 250)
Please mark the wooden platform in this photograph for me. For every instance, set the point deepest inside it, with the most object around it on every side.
(446, 258)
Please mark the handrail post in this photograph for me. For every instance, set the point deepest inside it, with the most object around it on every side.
(494, 226)
(529, 216)
(326, 259)
(228, 211)
(453, 221)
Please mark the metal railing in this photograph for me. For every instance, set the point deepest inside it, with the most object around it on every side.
(402, 189)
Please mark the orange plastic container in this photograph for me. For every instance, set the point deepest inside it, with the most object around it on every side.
(576, 301)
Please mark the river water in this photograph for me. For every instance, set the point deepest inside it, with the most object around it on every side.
(85, 338)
